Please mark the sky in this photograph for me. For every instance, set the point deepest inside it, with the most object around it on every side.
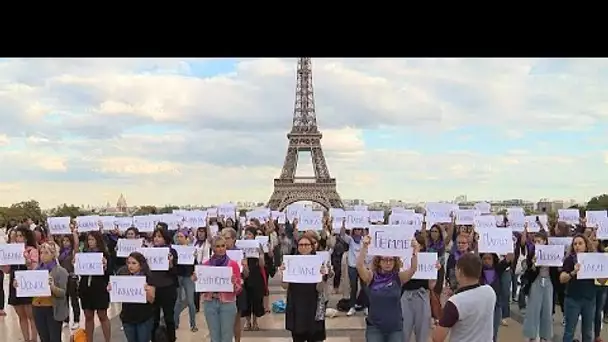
(207, 131)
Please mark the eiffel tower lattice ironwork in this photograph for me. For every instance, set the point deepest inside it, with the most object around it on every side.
(304, 136)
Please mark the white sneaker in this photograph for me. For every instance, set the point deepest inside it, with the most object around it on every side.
(351, 312)
(75, 326)
(365, 311)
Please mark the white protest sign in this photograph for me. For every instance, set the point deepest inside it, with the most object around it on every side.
(32, 283)
(570, 216)
(211, 212)
(402, 210)
(602, 229)
(562, 241)
(517, 223)
(533, 224)
(593, 265)
(337, 213)
(281, 217)
(213, 278)
(484, 222)
(236, 255)
(499, 241)
(356, 219)
(195, 218)
(145, 224)
(251, 248)
(549, 255)
(107, 222)
(500, 220)
(185, 254)
(157, 257)
(263, 241)
(174, 222)
(360, 208)
(87, 223)
(438, 213)
(12, 254)
(406, 219)
(228, 210)
(427, 265)
(128, 289)
(465, 216)
(302, 269)
(88, 264)
(124, 247)
(124, 223)
(59, 225)
(214, 230)
(376, 216)
(293, 211)
(310, 220)
(595, 216)
(391, 240)
(483, 207)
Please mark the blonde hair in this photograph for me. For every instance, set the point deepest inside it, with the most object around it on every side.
(51, 248)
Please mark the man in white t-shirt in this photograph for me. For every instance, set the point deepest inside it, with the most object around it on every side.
(467, 314)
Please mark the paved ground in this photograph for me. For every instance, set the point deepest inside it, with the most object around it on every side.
(339, 329)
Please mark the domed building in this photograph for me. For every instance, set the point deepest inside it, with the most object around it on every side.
(121, 204)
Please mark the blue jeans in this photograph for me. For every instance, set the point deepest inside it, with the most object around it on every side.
(496, 323)
(505, 292)
(600, 300)
(538, 321)
(141, 332)
(220, 320)
(353, 278)
(373, 334)
(575, 307)
(185, 293)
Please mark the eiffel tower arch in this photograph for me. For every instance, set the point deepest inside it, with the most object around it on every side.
(304, 137)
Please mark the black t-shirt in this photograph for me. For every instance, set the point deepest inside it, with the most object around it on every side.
(135, 313)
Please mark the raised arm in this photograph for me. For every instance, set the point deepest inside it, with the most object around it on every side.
(364, 273)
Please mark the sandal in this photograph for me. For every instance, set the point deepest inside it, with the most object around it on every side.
(255, 327)
(247, 326)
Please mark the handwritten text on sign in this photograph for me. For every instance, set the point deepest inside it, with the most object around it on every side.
(499, 241)
(33, 283)
(593, 265)
(356, 219)
(59, 225)
(185, 254)
(310, 220)
(128, 289)
(88, 264)
(213, 278)
(391, 240)
(302, 269)
(124, 247)
(157, 257)
(549, 255)
(427, 265)
(12, 254)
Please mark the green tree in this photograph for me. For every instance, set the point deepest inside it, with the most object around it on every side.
(167, 209)
(598, 203)
(65, 210)
(29, 209)
(146, 210)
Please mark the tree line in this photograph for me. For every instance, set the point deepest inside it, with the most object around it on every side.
(18, 212)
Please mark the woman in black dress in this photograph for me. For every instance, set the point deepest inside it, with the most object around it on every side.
(229, 235)
(94, 297)
(305, 311)
(254, 286)
(23, 305)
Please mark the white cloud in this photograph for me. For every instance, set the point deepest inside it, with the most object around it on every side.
(87, 130)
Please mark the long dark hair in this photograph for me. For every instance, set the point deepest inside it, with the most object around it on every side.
(99, 241)
(164, 233)
(28, 235)
(144, 268)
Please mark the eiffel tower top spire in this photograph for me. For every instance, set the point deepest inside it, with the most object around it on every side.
(304, 116)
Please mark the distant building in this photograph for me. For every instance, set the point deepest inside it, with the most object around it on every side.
(545, 205)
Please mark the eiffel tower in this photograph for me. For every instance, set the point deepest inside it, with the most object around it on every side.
(304, 137)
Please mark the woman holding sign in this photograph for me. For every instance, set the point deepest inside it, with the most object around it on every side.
(254, 285)
(137, 318)
(50, 312)
(23, 305)
(580, 293)
(94, 297)
(305, 311)
(186, 284)
(220, 307)
(384, 281)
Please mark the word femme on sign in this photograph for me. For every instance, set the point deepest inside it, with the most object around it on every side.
(380, 241)
(545, 256)
(127, 291)
(495, 241)
(25, 284)
(214, 280)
